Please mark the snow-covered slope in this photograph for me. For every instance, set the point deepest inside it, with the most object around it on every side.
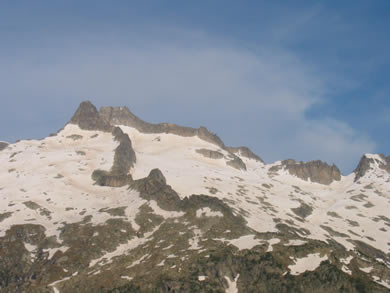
(353, 210)
(54, 210)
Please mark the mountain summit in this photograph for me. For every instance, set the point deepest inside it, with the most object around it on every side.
(112, 203)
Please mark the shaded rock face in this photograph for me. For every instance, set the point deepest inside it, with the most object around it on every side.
(3, 145)
(105, 178)
(363, 166)
(316, 171)
(124, 160)
(367, 163)
(210, 154)
(236, 163)
(88, 118)
(245, 152)
(154, 187)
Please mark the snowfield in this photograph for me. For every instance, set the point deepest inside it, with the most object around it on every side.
(261, 196)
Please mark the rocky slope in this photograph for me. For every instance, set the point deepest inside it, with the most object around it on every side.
(115, 204)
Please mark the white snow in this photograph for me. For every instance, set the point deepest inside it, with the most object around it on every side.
(271, 242)
(232, 285)
(346, 260)
(127, 278)
(366, 269)
(165, 214)
(382, 282)
(138, 261)
(52, 251)
(207, 212)
(244, 242)
(194, 241)
(375, 157)
(346, 270)
(307, 263)
(31, 248)
(53, 285)
(295, 242)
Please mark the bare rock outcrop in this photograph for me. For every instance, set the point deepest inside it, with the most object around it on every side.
(316, 171)
(124, 160)
(3, 145)
(154, 187)
(236, 163)
(88, 118)
(210, 153)
(368, 162)
(245, 152)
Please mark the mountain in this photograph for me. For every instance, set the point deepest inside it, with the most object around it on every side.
(111, 203)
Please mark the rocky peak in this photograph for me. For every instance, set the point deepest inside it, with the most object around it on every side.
(370, 161)
(157, 176)
(88, 118)
(316, 171)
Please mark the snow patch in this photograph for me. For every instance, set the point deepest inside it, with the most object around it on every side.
(244, 242)
(207, 212)
(232, 285)
(307, 263)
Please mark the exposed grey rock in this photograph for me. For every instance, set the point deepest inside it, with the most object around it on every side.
(105, 178)
(3, 145)
(303, 211)
(245, 152)
(316, 171)
(366, 164)
(88, 118)
(237, 163)
(210, 154)
(154, 187)
(363, 166)
(124, 159)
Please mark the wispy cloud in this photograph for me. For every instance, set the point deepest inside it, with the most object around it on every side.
(256, 98)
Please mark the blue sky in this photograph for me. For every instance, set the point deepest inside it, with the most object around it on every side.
(290, 79)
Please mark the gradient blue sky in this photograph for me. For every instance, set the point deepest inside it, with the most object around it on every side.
(290, 79)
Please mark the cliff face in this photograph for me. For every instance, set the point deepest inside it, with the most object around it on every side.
(316, 171)
(88, 118)
(245, 152)
(368, 162)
